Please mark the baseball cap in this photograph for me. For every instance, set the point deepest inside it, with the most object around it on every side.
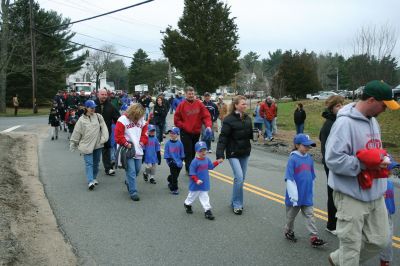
(381, 92)
(304, 139)
(174, 130)
(151, 127)
(199, 146)
(90, 104)
(207, 94)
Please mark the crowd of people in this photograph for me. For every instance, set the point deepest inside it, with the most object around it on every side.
(130, 131)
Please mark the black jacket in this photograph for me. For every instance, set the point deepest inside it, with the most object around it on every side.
(325, 130)
(160, 113)
(235, 137)
(299, 116)
(109, 113)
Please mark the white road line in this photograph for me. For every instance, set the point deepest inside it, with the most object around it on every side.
(10, 129)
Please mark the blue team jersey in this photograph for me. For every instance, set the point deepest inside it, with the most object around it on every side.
(151, 149)
(174, 150)
(389, 198)
(300, 168)
(199, 168)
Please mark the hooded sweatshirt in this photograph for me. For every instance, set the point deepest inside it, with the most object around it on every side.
(190, 115)
(351, 132)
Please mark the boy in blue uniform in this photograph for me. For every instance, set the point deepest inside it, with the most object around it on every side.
(174, 154)
(299, 179)
(386, 255)
(199, 183)
(152, 155)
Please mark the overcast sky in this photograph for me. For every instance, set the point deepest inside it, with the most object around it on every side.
(264, 25)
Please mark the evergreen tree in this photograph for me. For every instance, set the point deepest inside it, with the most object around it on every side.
(204, 49)
(137, 75)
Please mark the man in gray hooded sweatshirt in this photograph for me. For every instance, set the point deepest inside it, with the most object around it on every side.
(362, 225)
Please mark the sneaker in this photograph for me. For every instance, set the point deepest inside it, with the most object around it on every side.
(333, 232)
(110, 172)
(237, 211)
(95, 182)
(271, 139)
(135, 197)
(145, 177)
(188, 208)
(289, 234)
(317, 242)
(91, 185)
(153, 181)
(52, 138)
(175, 192)
(209, 151)
(208, 215)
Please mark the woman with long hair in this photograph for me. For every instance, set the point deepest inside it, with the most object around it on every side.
(131, 132)
(160, 113)
(234, 141)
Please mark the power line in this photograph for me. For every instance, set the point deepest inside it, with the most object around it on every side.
(101, 15)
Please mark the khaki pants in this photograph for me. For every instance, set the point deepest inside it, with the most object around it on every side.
(308, 213)
(362, 229)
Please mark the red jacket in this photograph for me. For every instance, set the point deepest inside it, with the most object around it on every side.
(189, 116)
(268, 112)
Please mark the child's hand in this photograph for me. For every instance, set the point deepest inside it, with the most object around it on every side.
(220, 160)
(199, 182)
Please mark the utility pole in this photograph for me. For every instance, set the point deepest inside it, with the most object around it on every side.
(170, 76)
(337, 78)
(33, 54)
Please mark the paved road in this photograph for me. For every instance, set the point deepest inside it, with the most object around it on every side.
(107, 228)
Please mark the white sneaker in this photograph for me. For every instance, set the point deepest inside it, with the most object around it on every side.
(111, 172)
(95, 182)
(209, 151)
(91, 185)
(333, 232)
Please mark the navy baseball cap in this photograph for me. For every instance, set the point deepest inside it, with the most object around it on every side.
(304, 139)
(174, 130)
(90, 104)
(199, 146)
(151, 127)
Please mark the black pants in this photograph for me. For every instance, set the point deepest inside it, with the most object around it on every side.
(106, 157)
(188, 141)
(15, 110)
(173, 177)
(331, 224)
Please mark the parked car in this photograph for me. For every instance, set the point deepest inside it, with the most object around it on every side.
(323, 95)
(396, 93)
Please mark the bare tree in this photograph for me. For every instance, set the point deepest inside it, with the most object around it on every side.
(100, 61)
(5, 55)
(375, 41)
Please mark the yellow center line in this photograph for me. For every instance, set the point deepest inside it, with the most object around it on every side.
(276, 197)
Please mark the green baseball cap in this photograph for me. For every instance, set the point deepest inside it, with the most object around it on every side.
(381, 92)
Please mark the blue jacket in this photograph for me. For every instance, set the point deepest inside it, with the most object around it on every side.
(199, 167)
(174, 153)
(151, 149)
(176, 102)
(258, 119)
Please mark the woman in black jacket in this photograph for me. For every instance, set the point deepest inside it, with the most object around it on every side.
(333, 105)
(159, 116)
(234, 140)
(299, 118)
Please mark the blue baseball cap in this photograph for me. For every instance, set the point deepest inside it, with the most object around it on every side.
(151, 127)
(90, 104)
(199, 146)
(304, 139)
(174, 130)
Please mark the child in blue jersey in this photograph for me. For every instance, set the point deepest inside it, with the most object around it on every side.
(299, 179)
(199, 183)
(386, 255)
(174, 155)
(152, 155)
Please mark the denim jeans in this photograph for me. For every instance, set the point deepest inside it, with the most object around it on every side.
(299, 128)
(160, 131)
(92, 164)
(132, 171)
(239, 168)
(268, 129)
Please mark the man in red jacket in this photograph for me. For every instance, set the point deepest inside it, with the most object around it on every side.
(189, 117)
(268, 112)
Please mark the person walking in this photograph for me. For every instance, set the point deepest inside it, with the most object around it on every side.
(131, 133)
(54, 122)
(152, 155)
(258, 120)
(299, 178)
(189, 117)
(223, 110)
(89, 135)
(177, 100)
(15, 104)
(214, 113)
(160, 112)
(362, 221)
(333, 105)
(234, 141)
(268, 113)
(110, 115)
(299, 118)
(174, 155)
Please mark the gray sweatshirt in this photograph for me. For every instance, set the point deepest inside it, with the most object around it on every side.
(351, 132)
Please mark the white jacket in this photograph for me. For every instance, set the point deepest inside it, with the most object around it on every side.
(90, 133)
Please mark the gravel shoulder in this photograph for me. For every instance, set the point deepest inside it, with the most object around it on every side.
(29, 234)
